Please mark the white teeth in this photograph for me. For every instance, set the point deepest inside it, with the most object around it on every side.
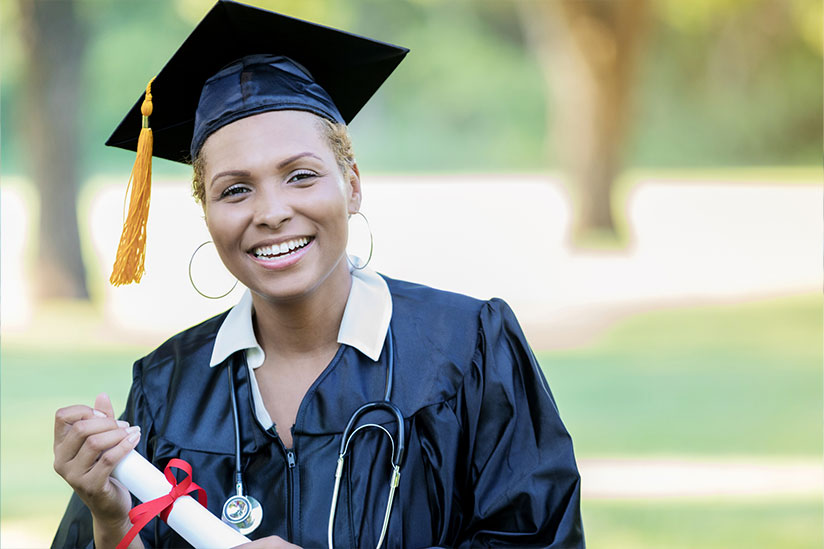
(282, 248)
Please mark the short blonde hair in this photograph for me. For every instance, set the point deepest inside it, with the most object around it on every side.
(337, 135)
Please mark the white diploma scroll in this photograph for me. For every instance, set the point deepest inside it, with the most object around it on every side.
(188, 518)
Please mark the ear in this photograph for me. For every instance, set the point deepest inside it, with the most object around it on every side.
(354, 189)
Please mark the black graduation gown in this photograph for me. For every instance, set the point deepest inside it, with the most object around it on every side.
(488, 461)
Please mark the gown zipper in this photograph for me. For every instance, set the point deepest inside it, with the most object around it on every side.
(291, 499)
(292, 496)
(291, 461)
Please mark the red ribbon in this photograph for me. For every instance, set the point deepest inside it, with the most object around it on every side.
(143, 513)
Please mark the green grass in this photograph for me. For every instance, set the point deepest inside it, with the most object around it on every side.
(735, 379)
(704, 524)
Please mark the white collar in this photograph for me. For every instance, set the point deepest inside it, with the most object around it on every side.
(364, 324)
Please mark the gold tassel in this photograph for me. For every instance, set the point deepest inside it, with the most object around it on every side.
(131, 252)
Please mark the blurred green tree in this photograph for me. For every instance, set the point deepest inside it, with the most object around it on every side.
(731, 83)
(723, 82)
(588, 51)
(53, 44)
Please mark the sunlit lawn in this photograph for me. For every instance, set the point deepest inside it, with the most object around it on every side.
(765, 524)
(738, 379)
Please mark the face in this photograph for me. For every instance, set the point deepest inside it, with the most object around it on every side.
(277, 204)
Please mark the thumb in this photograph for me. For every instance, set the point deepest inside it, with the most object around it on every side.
(103, 404)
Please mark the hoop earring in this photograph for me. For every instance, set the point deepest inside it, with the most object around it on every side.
(371, 243)
(192, 280)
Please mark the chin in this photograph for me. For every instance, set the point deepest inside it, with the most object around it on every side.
(283, 291)
(290, 287)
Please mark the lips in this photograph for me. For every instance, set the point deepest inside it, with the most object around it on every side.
(283, 249)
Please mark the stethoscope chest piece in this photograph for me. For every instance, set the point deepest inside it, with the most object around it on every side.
(243, 513)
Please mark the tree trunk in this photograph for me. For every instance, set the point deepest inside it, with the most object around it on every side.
(54, 42)
(588, 50)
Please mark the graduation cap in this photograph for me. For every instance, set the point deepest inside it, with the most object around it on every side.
(239, 61)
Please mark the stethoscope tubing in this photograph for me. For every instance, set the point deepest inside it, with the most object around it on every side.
(397, 449)
(238, 471)
(242, 512)
(346, 438)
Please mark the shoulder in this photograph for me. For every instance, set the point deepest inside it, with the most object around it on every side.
(191, 342)
(444, 336)
(181, 362)
(418, 301)
(174, 384)
(446, 323)
(412, 298)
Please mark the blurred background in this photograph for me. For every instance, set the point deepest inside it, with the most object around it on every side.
(640, 179)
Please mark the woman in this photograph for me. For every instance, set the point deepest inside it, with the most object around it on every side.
(487, 460)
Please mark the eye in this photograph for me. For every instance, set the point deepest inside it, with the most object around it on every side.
(234, 190)
(300, 176)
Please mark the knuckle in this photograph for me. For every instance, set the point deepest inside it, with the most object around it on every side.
(61, 414)
(71, 478)
(108, 460)
(80, 429)
(95, 443)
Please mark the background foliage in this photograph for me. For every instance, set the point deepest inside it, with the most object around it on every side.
(734, 82)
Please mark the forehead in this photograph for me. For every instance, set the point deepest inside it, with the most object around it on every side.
(266, 136)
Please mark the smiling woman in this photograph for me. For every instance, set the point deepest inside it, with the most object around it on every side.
(272, 179)
(283, 404)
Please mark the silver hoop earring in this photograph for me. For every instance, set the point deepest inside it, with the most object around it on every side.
(371, 243)
(192, 280)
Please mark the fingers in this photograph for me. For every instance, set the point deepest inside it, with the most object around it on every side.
(88, 471)
(97, 474)
(94, 446)
(84, 436)
(88, 444)
(67, 447)
(64, 418)
(104, 404)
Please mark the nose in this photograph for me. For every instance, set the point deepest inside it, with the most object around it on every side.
(272, 210)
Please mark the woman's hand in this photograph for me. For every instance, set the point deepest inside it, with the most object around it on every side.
(270, 542)
(88, 443)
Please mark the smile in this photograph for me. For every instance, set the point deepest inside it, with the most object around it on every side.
(281, 250)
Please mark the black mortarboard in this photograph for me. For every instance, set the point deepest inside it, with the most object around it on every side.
(239, 61)
(348, 67)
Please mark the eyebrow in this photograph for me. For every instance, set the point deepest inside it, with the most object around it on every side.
(233, 173)
(298, 156)
(282, 164)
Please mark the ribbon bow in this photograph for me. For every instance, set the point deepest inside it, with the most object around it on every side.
(143, 513)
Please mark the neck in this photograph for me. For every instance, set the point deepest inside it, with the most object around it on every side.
(305, 326)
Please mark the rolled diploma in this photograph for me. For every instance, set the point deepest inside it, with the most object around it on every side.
(188, 518)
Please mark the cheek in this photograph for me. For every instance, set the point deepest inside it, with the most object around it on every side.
(222, 226)
(337, 212)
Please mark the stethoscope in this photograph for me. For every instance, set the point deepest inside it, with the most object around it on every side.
(245, 513)
(240, 511)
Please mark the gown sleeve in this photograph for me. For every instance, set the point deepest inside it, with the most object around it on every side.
(75, 530)
(522, 478)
